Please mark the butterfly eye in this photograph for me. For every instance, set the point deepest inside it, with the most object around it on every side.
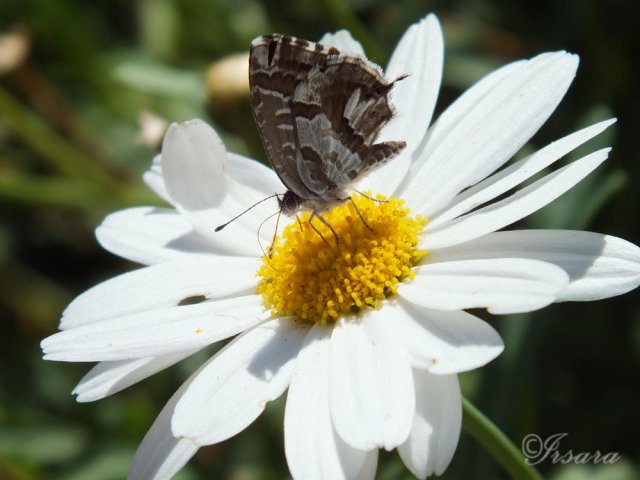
(291, 203)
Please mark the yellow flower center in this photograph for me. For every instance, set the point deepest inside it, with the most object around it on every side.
(318, 280)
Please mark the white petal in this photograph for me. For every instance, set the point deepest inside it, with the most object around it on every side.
(344, 42)
(150, 235)
(463, 105)
(419, 54)
(195, 167)
(153, 178)
(253, 174)
(505, 285)
(233, 389)
(456, 112)
(156, 332)
(370, 466)
(314, 450)
(371, 390)
(160, 455)
(522, 203)
(436, 426)
(491, 131)
(445, 342)
(161, 286)
(242, 169)
(599, 266)
(517, 173)
(107, 378)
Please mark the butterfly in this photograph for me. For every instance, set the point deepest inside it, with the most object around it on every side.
(318, 112)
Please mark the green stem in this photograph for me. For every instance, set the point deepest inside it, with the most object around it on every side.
(496, 443)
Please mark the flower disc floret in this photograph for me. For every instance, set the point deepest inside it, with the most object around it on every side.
(318, 280)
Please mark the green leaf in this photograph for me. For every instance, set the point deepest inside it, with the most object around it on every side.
(159, 79)
(46, 445)
(110, 465)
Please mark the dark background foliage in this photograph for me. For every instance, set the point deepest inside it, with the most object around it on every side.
(68, 156)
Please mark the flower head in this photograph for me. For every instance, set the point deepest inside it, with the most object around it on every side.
(318, 281)
(368, 333)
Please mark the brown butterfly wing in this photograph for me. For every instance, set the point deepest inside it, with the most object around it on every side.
(339, 110)
(277, 64)
(318, 113)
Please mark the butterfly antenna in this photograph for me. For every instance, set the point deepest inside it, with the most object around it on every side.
(264, 254)
(220, 227)
(275, 233)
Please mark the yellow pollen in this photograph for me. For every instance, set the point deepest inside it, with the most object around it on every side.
(318, 281)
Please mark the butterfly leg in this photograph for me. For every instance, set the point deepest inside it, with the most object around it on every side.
(370, 198)
(359, 213)
(323, 220)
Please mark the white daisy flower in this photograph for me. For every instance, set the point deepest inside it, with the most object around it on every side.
(368, 334)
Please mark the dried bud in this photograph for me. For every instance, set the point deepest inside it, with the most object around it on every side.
(14, 49)
(228, 82)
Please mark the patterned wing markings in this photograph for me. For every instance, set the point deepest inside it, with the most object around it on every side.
(339, 110)
(318, 113)
(277, 64)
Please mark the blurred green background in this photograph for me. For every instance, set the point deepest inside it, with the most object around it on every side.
(74, 77)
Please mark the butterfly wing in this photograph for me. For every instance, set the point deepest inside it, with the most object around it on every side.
(277, 64)
(339, 109)
(318, 113)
